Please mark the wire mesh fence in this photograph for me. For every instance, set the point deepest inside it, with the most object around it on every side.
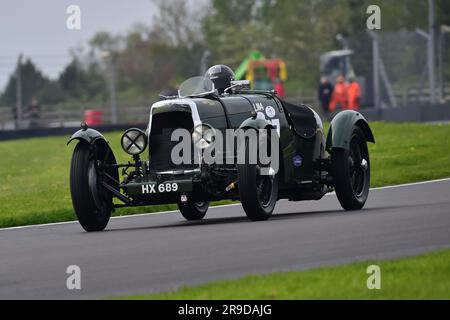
(404, 73)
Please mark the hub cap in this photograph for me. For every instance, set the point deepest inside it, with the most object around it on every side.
(358, 166)
(264, 185)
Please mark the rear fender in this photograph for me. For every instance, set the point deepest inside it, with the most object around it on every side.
(339, 134)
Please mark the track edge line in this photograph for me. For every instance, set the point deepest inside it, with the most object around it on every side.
(215, 207)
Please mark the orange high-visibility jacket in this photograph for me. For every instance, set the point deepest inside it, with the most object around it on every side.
(339, 96)
(354, 96)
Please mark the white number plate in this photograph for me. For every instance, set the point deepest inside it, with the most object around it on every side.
(159, 188)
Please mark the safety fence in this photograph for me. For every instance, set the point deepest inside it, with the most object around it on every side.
(64, 116)
(403, 96)
(395, 67)
(68, 116)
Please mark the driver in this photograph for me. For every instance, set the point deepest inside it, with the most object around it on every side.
(222, 76)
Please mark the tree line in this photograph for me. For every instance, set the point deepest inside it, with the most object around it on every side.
(148, 59)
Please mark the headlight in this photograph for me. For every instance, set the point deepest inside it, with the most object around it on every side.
(134, 141)
(203, 136)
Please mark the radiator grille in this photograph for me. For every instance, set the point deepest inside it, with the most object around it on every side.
(160, 144)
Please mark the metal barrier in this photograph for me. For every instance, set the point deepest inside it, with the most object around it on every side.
(70, 116)
(64, 116)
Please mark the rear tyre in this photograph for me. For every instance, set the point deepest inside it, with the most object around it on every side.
(258, 193)
(351, 172)
(193, 211)
(92, 204)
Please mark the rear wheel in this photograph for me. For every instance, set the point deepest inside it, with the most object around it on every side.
(258, 192)
(193, 211)
(92, 203)
(351, 172)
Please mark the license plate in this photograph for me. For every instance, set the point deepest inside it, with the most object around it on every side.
(159, 188)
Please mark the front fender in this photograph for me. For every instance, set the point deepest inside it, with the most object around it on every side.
(90, 136)
(256, 124)
(341, 127)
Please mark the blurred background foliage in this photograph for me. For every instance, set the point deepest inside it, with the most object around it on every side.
(149, 58)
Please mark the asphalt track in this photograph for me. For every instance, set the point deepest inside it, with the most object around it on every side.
(152, 253)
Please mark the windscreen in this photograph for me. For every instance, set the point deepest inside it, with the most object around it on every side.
(196, 87)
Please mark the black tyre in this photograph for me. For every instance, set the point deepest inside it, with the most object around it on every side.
(351, 172)
(92, 204)
(193, 211)
(258, 193)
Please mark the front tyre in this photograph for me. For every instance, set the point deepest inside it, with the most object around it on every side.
(92, 204)
(351, 172)
(258, 193)
(193, 211)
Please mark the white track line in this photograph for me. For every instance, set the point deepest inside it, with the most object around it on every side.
(215, 207)
(412, 184)
(112, 218)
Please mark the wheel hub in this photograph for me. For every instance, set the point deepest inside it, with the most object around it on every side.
(364, 164)
(93, 186)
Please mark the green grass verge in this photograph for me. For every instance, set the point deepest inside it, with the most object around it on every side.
(34, 173)
(423, 277)
(34, 181)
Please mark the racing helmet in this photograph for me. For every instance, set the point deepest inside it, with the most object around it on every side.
(221, 75)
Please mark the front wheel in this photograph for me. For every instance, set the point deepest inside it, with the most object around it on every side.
(258, 192)
(92, 204)
(351, 172)
(193, 211)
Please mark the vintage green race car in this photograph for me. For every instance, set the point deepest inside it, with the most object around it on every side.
(304, 163)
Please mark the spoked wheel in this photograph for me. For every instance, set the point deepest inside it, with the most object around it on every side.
(264, 188)
(351, 172)
(258, 187)
(193, 211)
(92, 203)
